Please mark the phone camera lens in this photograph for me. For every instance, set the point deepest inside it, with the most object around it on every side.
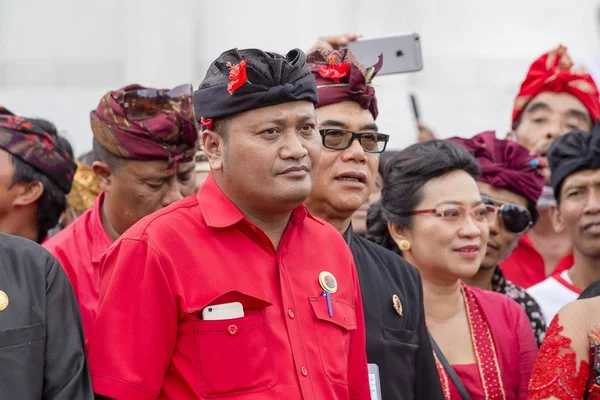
(209, 309)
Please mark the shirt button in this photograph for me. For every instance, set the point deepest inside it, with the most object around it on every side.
(291, 313)
(232, 329)
(304, 371)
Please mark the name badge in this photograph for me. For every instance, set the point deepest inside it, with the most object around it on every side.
(374, 382)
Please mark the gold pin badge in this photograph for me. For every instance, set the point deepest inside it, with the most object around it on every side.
(328, 282)
(3, 301)
(397, 304)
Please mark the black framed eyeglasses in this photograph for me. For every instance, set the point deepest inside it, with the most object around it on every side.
(515, 218)
(341, 139)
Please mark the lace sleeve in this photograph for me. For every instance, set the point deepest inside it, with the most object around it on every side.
(594, 380)
(555, 373)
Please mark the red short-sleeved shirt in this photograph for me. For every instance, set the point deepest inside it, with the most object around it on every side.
(78, 248)
(150, 341)
(525, 266)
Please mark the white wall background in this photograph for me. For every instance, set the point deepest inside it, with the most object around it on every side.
(58, 57)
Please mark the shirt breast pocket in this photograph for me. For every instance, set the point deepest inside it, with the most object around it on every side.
(400, 354)
(22, 353)
(333, 336)
(234, 355)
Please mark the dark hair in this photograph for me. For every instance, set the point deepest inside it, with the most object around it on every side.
(384, 158)
(591, 291)
(532, 208)
(101, 154)
(86, 158)
(405, 176)
(221, 126)
(53, 201)
(517, 122)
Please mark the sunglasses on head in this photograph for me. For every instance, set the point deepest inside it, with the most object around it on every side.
(515, 218)
(341, 139)
(141, 104)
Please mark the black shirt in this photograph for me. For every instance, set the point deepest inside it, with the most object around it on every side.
(42, 351)
(398, 344)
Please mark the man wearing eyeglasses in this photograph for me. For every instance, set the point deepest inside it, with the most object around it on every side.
(237, 292)
(144, 145)
(575, 163)
(512, 181)
(397, 339)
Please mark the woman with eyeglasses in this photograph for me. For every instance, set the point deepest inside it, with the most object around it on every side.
(511, 181)
(431, 212)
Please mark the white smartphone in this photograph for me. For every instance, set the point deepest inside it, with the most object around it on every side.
(401, 53)
(223, 311)
(374, 381)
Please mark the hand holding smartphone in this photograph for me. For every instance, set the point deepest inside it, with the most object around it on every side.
(401, 52)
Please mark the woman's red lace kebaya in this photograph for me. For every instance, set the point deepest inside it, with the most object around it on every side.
(555, 373)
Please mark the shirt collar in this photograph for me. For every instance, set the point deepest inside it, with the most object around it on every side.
(526, 242)
(498, 281)
(220, 212)
(348, 235)
(100, 239)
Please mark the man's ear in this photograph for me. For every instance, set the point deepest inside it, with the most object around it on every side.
(556, 218)
(28, 193)
(104, 174)
(214, 146)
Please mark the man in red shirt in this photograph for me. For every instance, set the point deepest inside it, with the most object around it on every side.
(144, 146)
(554, 99)
(292, 325)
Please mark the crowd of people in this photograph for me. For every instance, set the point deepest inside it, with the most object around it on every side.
(253, 239)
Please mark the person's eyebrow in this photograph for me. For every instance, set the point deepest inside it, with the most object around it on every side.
(459, 203)
(342, 125)
(276, 121)
(538, 105)
(370, 127)
(333, 123)
(306, 117)
(154, 177)
(187, 171)
(281, 121)
(575, 186)
(492, 199)
(580, 115)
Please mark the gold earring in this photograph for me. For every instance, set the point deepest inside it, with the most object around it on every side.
(404, 245)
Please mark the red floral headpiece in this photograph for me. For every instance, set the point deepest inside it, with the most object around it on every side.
(334, 70)
(237, 76)
(340, 77)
